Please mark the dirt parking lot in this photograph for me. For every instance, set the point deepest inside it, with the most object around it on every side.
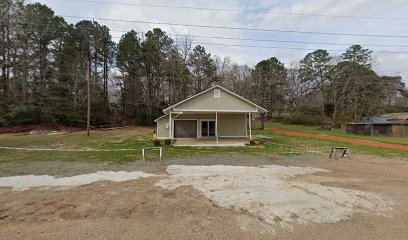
(139, 209)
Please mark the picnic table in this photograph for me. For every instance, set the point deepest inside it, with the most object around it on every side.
(345, 150)
(152, 149)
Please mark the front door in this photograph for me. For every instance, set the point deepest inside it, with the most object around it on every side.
(207, 128)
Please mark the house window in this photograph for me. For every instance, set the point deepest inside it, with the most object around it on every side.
(217, 93)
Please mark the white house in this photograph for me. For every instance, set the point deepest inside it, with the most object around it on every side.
(214, 113)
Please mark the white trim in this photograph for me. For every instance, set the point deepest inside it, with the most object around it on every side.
(246, 125)
(185, 119)
(200, 134)
(218, 86)
(250, 125)
(178, 114)
(213, 111)
(200, 120)
(156, 120)
(170, 126)
(157, 130)
(216, 124)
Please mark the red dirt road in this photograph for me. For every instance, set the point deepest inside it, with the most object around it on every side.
(341, 139)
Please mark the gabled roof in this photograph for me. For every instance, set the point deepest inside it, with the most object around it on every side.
(226, 90)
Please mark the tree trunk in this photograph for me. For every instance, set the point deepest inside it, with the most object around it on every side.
(334, 104)
(105, 80)
(323, 98)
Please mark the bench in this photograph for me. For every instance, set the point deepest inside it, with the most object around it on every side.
(346, 151)
(152, 149)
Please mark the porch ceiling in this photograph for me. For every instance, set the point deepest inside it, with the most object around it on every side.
(207, 112)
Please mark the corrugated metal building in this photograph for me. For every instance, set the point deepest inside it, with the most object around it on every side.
(391, 125)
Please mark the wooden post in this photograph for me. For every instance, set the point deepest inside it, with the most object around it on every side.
(88, 118)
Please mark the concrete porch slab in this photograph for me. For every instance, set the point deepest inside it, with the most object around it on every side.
(211, 142)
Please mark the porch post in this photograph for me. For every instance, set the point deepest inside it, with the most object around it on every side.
(216, 126)
(250, 125)
(246, 125)
(170, 135)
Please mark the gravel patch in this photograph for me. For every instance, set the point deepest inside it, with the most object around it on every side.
(66, 169)
(21, 183)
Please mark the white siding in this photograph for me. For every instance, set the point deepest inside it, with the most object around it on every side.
(162, 131)
(207, 102)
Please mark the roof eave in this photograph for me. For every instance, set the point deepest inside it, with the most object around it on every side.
(260, 109)
(156, 120)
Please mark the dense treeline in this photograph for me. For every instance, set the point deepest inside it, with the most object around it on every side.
(45, 63)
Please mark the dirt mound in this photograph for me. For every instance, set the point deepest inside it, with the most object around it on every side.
(20, 129)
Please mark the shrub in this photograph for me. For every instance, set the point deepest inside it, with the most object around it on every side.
(70, 119)
(342, 119)
(252, 142)
(311, 120)
(27, 115)
(156, 142)
(261, 141)
(167, 142)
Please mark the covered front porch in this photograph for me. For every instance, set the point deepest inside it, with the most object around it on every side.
(211, 126)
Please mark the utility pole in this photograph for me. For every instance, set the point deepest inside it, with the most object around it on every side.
(88, 119)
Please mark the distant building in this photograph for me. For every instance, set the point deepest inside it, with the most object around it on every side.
(391, 125)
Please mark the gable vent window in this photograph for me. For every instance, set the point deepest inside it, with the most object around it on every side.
(217, 93)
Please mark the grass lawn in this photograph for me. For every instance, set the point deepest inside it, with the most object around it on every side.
(138, 137)
(336, 133)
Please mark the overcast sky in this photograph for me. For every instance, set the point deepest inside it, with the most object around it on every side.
(386, 63)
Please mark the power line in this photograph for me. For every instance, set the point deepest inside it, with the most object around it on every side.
(241, 45)
(251, 39)
(239, 28)
(288, 48)
(238, 10)
(274, 47)
(285, 41)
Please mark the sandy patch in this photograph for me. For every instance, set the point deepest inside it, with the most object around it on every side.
(271, 194)
(20, 183)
